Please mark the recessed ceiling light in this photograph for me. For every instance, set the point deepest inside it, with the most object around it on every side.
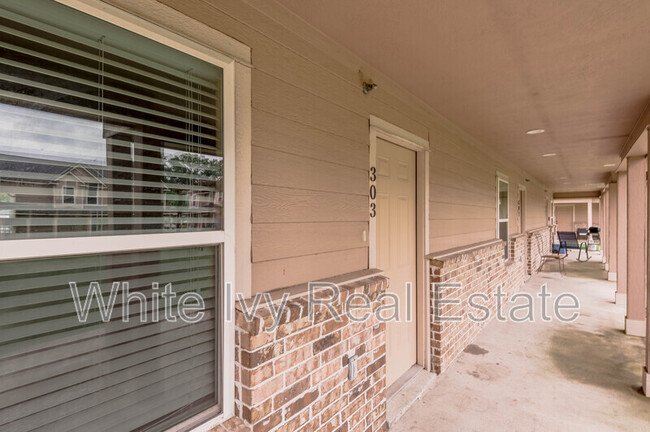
(535, 131)
(549, 154)
(609, 165)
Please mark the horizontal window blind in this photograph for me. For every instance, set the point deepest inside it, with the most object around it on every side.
(60, 374)
(103, 131)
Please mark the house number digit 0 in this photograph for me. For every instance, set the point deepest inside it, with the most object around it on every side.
(373, 192)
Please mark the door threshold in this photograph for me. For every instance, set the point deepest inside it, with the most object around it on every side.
(403, 380)
(407, 390)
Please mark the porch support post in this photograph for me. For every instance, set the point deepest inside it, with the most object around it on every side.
(590, 218)
(612, 228)
(601, 224)
(605, 230)
(645, 380)
(635, 318)
(621, 235)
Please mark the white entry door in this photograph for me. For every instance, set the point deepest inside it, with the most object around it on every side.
(396, 183)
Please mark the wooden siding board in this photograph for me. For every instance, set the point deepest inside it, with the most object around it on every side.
(286, 240)
(443, 242)
(279, 204)
(461, 196)
(276, 96)
(273, 168)
(467, 211)
(281, 273)
(278, 133)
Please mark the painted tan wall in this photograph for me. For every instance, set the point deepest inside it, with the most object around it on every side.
(581, 215)
(536, 201)
(595, 214)
(569, 217)
(564, 217)
(310, 153)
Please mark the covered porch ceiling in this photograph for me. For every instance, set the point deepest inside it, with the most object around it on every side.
(498, 68)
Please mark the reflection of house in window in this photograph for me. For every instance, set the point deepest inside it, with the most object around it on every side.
(79, 183)
(68, 195)
(50, 196)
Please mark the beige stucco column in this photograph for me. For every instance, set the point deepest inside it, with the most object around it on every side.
(636, 248)
(601, 224)
(621, 236)
(646, 376)
(604, 232)
(612, 228)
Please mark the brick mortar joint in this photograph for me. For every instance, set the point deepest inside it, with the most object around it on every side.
(297, 307)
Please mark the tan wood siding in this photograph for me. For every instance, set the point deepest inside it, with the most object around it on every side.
(284, 240)
(278, 133)
(279, 204)
(273, 168)
(292, 271)
(310, 154)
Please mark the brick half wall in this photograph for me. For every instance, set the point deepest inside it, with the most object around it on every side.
(295, 378)
(456, 275)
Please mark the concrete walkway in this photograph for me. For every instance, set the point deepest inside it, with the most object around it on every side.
(580, 376)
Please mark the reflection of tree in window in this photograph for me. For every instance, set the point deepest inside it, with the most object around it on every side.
(190, 181)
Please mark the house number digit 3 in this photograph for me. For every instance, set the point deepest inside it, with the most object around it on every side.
(373, 192)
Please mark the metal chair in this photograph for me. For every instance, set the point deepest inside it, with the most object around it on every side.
(559, 257)
(569, 240)
(582, 234)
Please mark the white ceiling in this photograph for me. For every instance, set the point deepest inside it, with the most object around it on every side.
(578, 68)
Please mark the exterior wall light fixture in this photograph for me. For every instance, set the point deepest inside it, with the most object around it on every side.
(368, 87)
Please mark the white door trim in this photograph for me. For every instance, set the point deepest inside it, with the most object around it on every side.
(394, 134)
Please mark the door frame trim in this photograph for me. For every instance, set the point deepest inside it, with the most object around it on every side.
(523, 226)
(394, 134)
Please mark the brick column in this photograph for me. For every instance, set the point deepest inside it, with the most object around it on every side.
(621, 235)
(636, 227)
(612, 228)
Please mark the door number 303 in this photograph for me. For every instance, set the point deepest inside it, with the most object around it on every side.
(373, 192)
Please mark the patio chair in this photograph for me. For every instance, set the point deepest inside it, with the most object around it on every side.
(582, 234)
(569, 240)
(559, 257)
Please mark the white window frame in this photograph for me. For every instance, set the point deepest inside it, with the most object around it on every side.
(233, 58)
(64, 195)
(501, 178)
(89, 188)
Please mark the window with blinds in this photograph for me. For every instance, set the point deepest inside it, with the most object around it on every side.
(502, 214)
(60, 374)
(103, 131)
